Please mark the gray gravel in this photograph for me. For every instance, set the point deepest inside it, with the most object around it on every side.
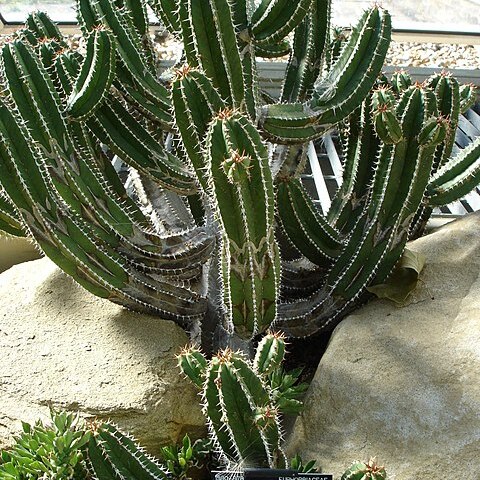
(402, 54)
(412, 54)
(405, 54)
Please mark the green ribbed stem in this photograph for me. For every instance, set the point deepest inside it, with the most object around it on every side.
(379, 236)
(128, 138)
(243, 400)
(447, 92)
(131, 50)
(95, 77)
(10, 221)
(306, 228)
(167, 11)
(275, 22)
(241, 415)
(337, 39)
(270, 354)
(87, 185)
(40, 25)
(361, 147)
(400, 81)
(195, 102)
(468, 97)
(456, 178)
(273, 50)
(336, 96)
(193, 365)
(243, 188)
(98, 252)
(306, 58)
(112, 455)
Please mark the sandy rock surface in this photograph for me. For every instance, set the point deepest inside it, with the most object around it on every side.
(403, 384)
(15, 250)
(62, 346)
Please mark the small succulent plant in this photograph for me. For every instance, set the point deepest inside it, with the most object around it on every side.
(365, 471)
(53, 451)
(181, 460)
(296, 463)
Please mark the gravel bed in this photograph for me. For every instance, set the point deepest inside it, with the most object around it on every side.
(401, 54)
(411, 54)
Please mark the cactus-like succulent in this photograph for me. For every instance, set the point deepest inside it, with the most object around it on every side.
(365, 471)
(114, 455)
(213, 228)
(243, 401)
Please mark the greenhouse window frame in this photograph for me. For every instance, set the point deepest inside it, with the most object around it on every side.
(67, 28)
(434, 35)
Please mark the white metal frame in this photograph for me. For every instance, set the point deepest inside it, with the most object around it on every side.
(454, 210)
(428, 33)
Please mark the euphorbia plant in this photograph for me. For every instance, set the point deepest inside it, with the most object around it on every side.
(213, 228)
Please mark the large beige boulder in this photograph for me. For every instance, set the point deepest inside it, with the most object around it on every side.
(61, 346)
(403, 384)
(15, 250)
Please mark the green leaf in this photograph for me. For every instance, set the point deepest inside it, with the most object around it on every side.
(402, 280)
(186, 442)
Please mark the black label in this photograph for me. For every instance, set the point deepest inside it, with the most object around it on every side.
(268, 474)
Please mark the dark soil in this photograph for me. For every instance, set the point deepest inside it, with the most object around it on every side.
(306, 353)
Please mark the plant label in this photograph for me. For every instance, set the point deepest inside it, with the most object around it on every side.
(268, 474)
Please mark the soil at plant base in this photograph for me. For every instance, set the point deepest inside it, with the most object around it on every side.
(306, 353)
